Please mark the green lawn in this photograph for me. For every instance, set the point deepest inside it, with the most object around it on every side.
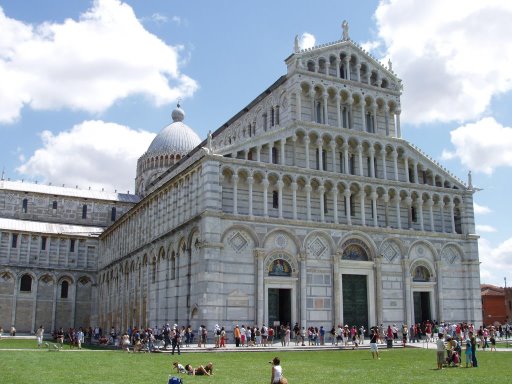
(92, 366)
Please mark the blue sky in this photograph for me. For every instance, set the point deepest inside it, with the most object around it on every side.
(85, 85)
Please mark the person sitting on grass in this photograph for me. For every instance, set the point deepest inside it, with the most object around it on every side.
(199, 371)
(179, 367)
(209, 368)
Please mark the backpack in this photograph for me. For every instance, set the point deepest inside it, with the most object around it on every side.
(174, 380)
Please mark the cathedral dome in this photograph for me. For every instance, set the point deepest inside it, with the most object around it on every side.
(175, 139)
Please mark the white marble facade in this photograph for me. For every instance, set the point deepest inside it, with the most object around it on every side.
(307, 206)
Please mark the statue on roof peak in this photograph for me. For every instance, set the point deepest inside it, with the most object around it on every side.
(344, 26)
(296, 47)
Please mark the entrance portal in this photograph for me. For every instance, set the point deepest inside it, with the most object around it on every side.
(279, 306)
(422, 307)
(355, 300)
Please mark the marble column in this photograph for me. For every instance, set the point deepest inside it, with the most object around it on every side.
(260, 306)
(397, 201)
(265, 184)
(294, 199)
(372, 162)
(335, 203)
(384, 164)
(374, 206)
(308, 200)
(360, 159)
(397, 118)
(378, 288)
(303, 290)
(298, 93)
(321, 191)
(306, 144)
(235, 194)
(280, 185)
(394, 155)
(250, 182)
(347, 195)
(362, 196)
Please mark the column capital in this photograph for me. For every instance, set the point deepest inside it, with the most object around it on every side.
(319, 142)
(371, 150)
(347, 193)
(385, 197)
(321, 189)
(259, 253)
(250, 180)
(307, 140)
(280, 184)
(408, 201)
(332, 144)
(294, 185)
(373, 195)
(265, 182)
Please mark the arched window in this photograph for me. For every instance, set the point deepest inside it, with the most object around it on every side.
(324, 160)
(113, 214)
(275, 199)
(319, 113)
(54, 205)
(64, 288)
(84, 211)
(275, 155)
(24, 207)
(458, 220)
(26, 283)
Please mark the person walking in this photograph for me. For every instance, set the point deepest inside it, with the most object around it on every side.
(39, 336)
(176, 339)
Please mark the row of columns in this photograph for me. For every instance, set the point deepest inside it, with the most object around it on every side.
(348, 103)
(397, 201)
(279, 157)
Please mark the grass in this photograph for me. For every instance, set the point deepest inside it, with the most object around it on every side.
(112, 367)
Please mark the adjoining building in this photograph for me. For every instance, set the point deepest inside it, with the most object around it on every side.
(494, 305)
(306, 206)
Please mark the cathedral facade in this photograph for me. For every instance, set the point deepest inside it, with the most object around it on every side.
(306, 206)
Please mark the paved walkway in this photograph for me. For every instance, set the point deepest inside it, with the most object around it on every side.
(276, 346)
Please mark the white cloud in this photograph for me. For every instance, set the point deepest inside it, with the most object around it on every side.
(495, 262)
(307, 40)
(453, 56)
(89, 155)
(481, 209)
(482, 146)
(485, 228)
(159, 18)
(86, 64)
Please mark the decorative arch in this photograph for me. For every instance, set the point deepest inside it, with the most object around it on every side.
(422, 249)
(278, 259)
(281, 241)
(246, 229)
(361, 239)
(451, 253)
(422, 271)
